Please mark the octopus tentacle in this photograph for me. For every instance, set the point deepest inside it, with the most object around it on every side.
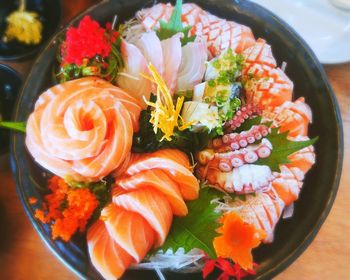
(241, 115)
(227, 161)
(248, 178)
(236, 141)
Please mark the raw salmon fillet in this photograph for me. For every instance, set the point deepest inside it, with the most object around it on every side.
(160, 181)
(82, 129)
(145, 198)
(129, 230)
(106, 255)
(188, 184)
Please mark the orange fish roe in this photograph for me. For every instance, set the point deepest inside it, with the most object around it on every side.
(69, 209)
(32, 200)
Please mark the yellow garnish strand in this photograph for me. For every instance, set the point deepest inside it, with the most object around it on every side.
(165, 115)
(23, 26)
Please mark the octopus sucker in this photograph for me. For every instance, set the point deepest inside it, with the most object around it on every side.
(227, 160)
(236, 141)
(244, 113)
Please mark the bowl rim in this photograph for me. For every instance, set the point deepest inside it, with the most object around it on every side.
(8, 69)
(41, 46)
(294, 254)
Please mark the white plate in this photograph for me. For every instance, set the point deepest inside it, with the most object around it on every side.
(324, 27)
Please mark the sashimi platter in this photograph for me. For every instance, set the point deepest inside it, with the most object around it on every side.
(171, 141)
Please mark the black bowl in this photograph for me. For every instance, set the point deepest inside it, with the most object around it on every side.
(292, 236)
(10, 83)
(50, 15)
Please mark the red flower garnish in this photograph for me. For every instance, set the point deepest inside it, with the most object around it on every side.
(229, 270)
(86, 41)
(208, 268)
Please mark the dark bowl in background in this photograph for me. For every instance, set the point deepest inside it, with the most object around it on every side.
(50, 15)
(10, 83)
(292, 236)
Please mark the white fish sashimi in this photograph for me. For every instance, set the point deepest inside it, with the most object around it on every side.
(192, 67)
(172, 54)
(151, 48)
(130, 79)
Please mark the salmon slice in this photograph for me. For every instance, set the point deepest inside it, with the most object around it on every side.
(172, 154)
(153, 206)
(46, 97)
(241, 37)
(71, 128)
(288, 191)
(288, 184)
(119, 144)
(190, 14)
(35, 146)
(270, 91)
(151, 16)
(188, 184)
(222, 34)
(303, 159)
(108, 257)
(129, 230)
(262, 210)
(273, 214)
(263, 220)
(291, 116)
(130, 78)
(131, 104)
(259, 59)
(160, 181)
(81, 134)
(130, 158)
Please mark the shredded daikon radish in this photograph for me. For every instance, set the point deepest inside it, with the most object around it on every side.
(191, 261)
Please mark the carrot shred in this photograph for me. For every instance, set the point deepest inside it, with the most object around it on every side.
(237, 240)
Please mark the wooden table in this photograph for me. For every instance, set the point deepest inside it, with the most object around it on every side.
(23, 256)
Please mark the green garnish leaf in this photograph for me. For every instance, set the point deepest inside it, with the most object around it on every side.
(248, 123)
(282, 148)
(198, 228)
(16, 126)
(175, 26)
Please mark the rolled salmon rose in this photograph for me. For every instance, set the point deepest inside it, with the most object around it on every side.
(82, 129)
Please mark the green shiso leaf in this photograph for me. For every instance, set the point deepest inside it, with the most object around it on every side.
(248, 123)
(16, 126)
(174, 26)
(282, 148)
(198, 228)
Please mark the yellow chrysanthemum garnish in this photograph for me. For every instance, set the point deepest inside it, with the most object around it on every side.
(165, 116)
(23, 26)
